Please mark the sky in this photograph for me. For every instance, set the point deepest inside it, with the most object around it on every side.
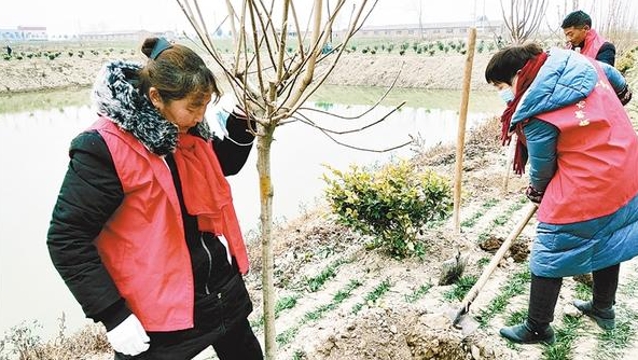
(84, 16)
(73, 16)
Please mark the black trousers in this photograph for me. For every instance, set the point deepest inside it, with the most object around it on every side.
(238, 343)
(544, 294)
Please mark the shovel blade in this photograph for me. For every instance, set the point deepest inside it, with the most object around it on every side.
(467, 325)
(462, 321)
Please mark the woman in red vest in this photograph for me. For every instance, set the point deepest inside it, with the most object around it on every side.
(144, 232)
(583, 155)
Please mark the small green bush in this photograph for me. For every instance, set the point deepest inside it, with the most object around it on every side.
(391, 204)
(626, 62)
(480, 47)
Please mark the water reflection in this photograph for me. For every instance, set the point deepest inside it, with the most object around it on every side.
(34, 147)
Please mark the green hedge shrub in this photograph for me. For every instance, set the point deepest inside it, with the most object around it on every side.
(626, 62)
(391, 204)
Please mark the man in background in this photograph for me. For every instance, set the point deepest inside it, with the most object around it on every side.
(582, 38)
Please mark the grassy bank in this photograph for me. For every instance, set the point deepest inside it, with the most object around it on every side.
(43, 99)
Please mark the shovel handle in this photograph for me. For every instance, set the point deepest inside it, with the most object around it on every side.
(474, 291)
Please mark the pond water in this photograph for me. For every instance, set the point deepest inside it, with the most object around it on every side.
(35, 135)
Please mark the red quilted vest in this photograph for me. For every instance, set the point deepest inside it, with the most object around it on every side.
(597, 155)
(145, 254)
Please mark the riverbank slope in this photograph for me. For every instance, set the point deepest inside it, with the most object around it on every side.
(413, 71)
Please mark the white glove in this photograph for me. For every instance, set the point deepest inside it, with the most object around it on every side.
(129, 337)
(222, 239)
(218, 113)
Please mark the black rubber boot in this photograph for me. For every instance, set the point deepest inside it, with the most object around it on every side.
(524, 334)
(605, 318)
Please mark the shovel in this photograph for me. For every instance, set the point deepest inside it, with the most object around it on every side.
(459, 318)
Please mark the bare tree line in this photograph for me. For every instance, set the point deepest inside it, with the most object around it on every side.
(616, 20)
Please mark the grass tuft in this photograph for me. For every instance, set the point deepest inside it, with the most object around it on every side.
(583, 292)
(285, 303)
(373, 296)
(565, 338)
(418, 293)
(613, 343)
(315, 283)
(516, 317)
(515, 286)
(319, 312)
(460, 288)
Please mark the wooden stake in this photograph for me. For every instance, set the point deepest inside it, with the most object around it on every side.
(508, 167)
(460, 139)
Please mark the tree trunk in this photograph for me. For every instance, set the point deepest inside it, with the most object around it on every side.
(264, 143)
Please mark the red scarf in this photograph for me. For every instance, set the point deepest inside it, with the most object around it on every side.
(207, 193)
(525, 77)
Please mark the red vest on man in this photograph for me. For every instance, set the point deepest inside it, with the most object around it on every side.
(593, 43)
(145, 254)
(597, 155)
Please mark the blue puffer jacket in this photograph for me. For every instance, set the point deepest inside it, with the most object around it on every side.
(582, 247)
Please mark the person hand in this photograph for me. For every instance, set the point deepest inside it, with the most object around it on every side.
(129, 337)
(625, 95)
(534, 195)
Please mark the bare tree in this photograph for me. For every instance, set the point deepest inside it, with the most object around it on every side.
(616, 21)
(273, 72)
(420, 12)
(523, 17)
(554, 33)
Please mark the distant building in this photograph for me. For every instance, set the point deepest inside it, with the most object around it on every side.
(431, 30)
(123, 35)
(24, 33)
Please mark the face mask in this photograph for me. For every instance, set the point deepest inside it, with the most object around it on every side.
(506, 94)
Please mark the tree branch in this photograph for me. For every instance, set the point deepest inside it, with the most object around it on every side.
(309, 73)
(256, 49)
(297, 103)
(371, 108)
(308, 121)
(328, 135)
(282, 43)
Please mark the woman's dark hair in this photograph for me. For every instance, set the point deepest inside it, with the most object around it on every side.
(505, 63)
(175, 72)
(577, 19)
